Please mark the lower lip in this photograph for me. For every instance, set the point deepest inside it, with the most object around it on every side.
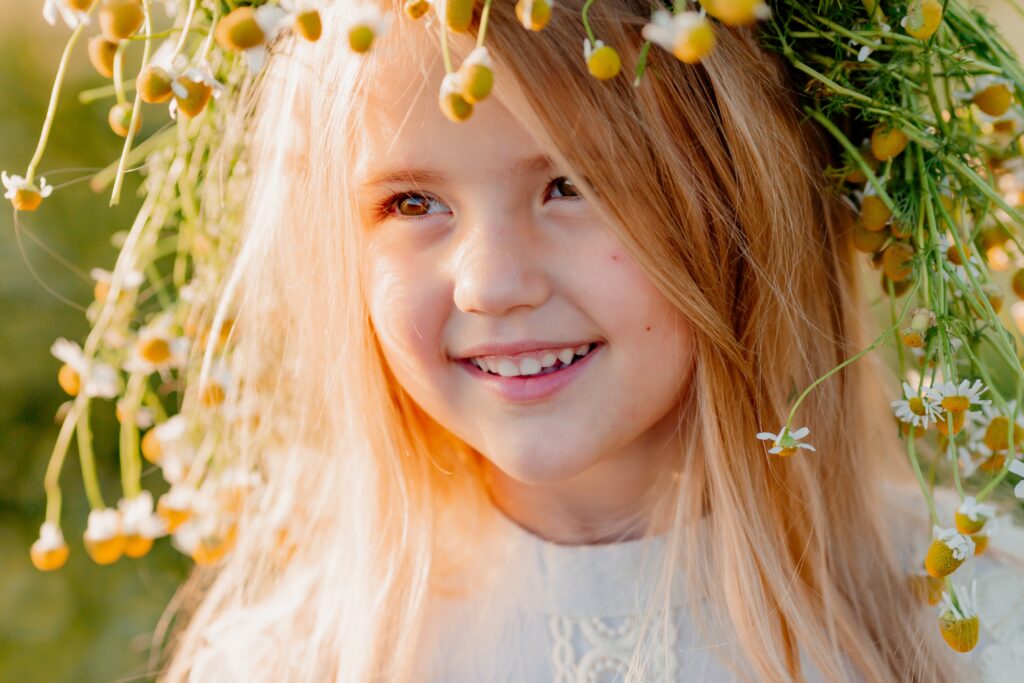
(535, 387)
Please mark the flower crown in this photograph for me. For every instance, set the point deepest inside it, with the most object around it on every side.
(921, 97)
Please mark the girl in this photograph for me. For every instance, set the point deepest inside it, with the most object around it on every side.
(507, 374)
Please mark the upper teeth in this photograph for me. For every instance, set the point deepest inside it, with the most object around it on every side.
(528, 365)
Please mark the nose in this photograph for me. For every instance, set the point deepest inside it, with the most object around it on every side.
(499, 265)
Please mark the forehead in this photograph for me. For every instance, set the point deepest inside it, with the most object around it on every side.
(404, 127)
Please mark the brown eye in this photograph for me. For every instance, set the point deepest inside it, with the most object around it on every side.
(412, 205)
(407, 205)
(565, 186)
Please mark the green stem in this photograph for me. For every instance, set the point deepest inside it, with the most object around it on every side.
(87, 457)
(586, 21)
(51, 482)
(484, 15)
(51, 110)
(115, 195)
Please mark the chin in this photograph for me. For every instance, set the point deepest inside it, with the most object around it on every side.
(544, 465)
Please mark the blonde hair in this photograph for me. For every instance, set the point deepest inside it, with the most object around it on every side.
(714, 185)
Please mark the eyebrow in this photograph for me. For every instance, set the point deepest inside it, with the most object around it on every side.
(423, 176)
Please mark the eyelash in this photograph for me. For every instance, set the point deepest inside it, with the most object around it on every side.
(383, 208)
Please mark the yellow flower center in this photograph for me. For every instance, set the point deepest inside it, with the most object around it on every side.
(69, 380)
(917, 406)
(119, 19)
(239, 30)
(156, 350)
(309, 26)
(604, 63)
(956, 404)
(360, 38)
(695, 44)
(960, 634)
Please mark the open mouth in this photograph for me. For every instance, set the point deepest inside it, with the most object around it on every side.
(533, 366)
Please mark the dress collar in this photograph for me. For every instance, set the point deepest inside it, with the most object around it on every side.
(609, 579)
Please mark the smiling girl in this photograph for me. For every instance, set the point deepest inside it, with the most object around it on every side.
(508, 371)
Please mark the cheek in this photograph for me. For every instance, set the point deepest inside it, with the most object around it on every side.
(404, 307)
(652, 338)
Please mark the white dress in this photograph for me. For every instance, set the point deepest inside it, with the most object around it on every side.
(568, 616)
(565, 614)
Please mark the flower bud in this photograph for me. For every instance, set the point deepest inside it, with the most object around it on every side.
(120, 19)
(604, 63)
(533, 14)
(191, 96)
(454, 105)
(49, 552)
(459, 14)
(308, 25)
(239, 30)
(69, 380)
(960, 634)
(154, 85)
(923, 18)
(994, 100)
(886, 143)
(414, 9)
(736, 12)
(896, 261)
(874, 214)
(101, 55)
(120, 118)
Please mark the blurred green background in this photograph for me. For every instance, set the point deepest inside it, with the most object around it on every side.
(85, 623)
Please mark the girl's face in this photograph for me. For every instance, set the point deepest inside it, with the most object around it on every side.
(479, 249)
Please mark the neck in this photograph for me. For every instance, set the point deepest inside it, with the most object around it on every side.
(613, 500)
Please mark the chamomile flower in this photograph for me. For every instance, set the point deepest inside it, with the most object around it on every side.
(737, 12)
(476, 75)
(993, 429)
(992, 95)
(304, 18)
(131, 281)
(71, 12)
(193, 88)
(451, 100)
(24, 195)
(916, 410)
(922, 19)
(49, 551)
(364, 24)
(532, 14)
(957, 398)
(786, 443)
(971, 516)
(688, 35)
(249, 30)
(958, 618)
(602, 60)
(95, 379)
(164, 439)
(103, 538)
(157, 349)
(176, 506)
(948, 550)
(139, 524)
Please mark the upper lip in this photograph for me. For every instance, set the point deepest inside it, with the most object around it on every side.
(520, 347)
